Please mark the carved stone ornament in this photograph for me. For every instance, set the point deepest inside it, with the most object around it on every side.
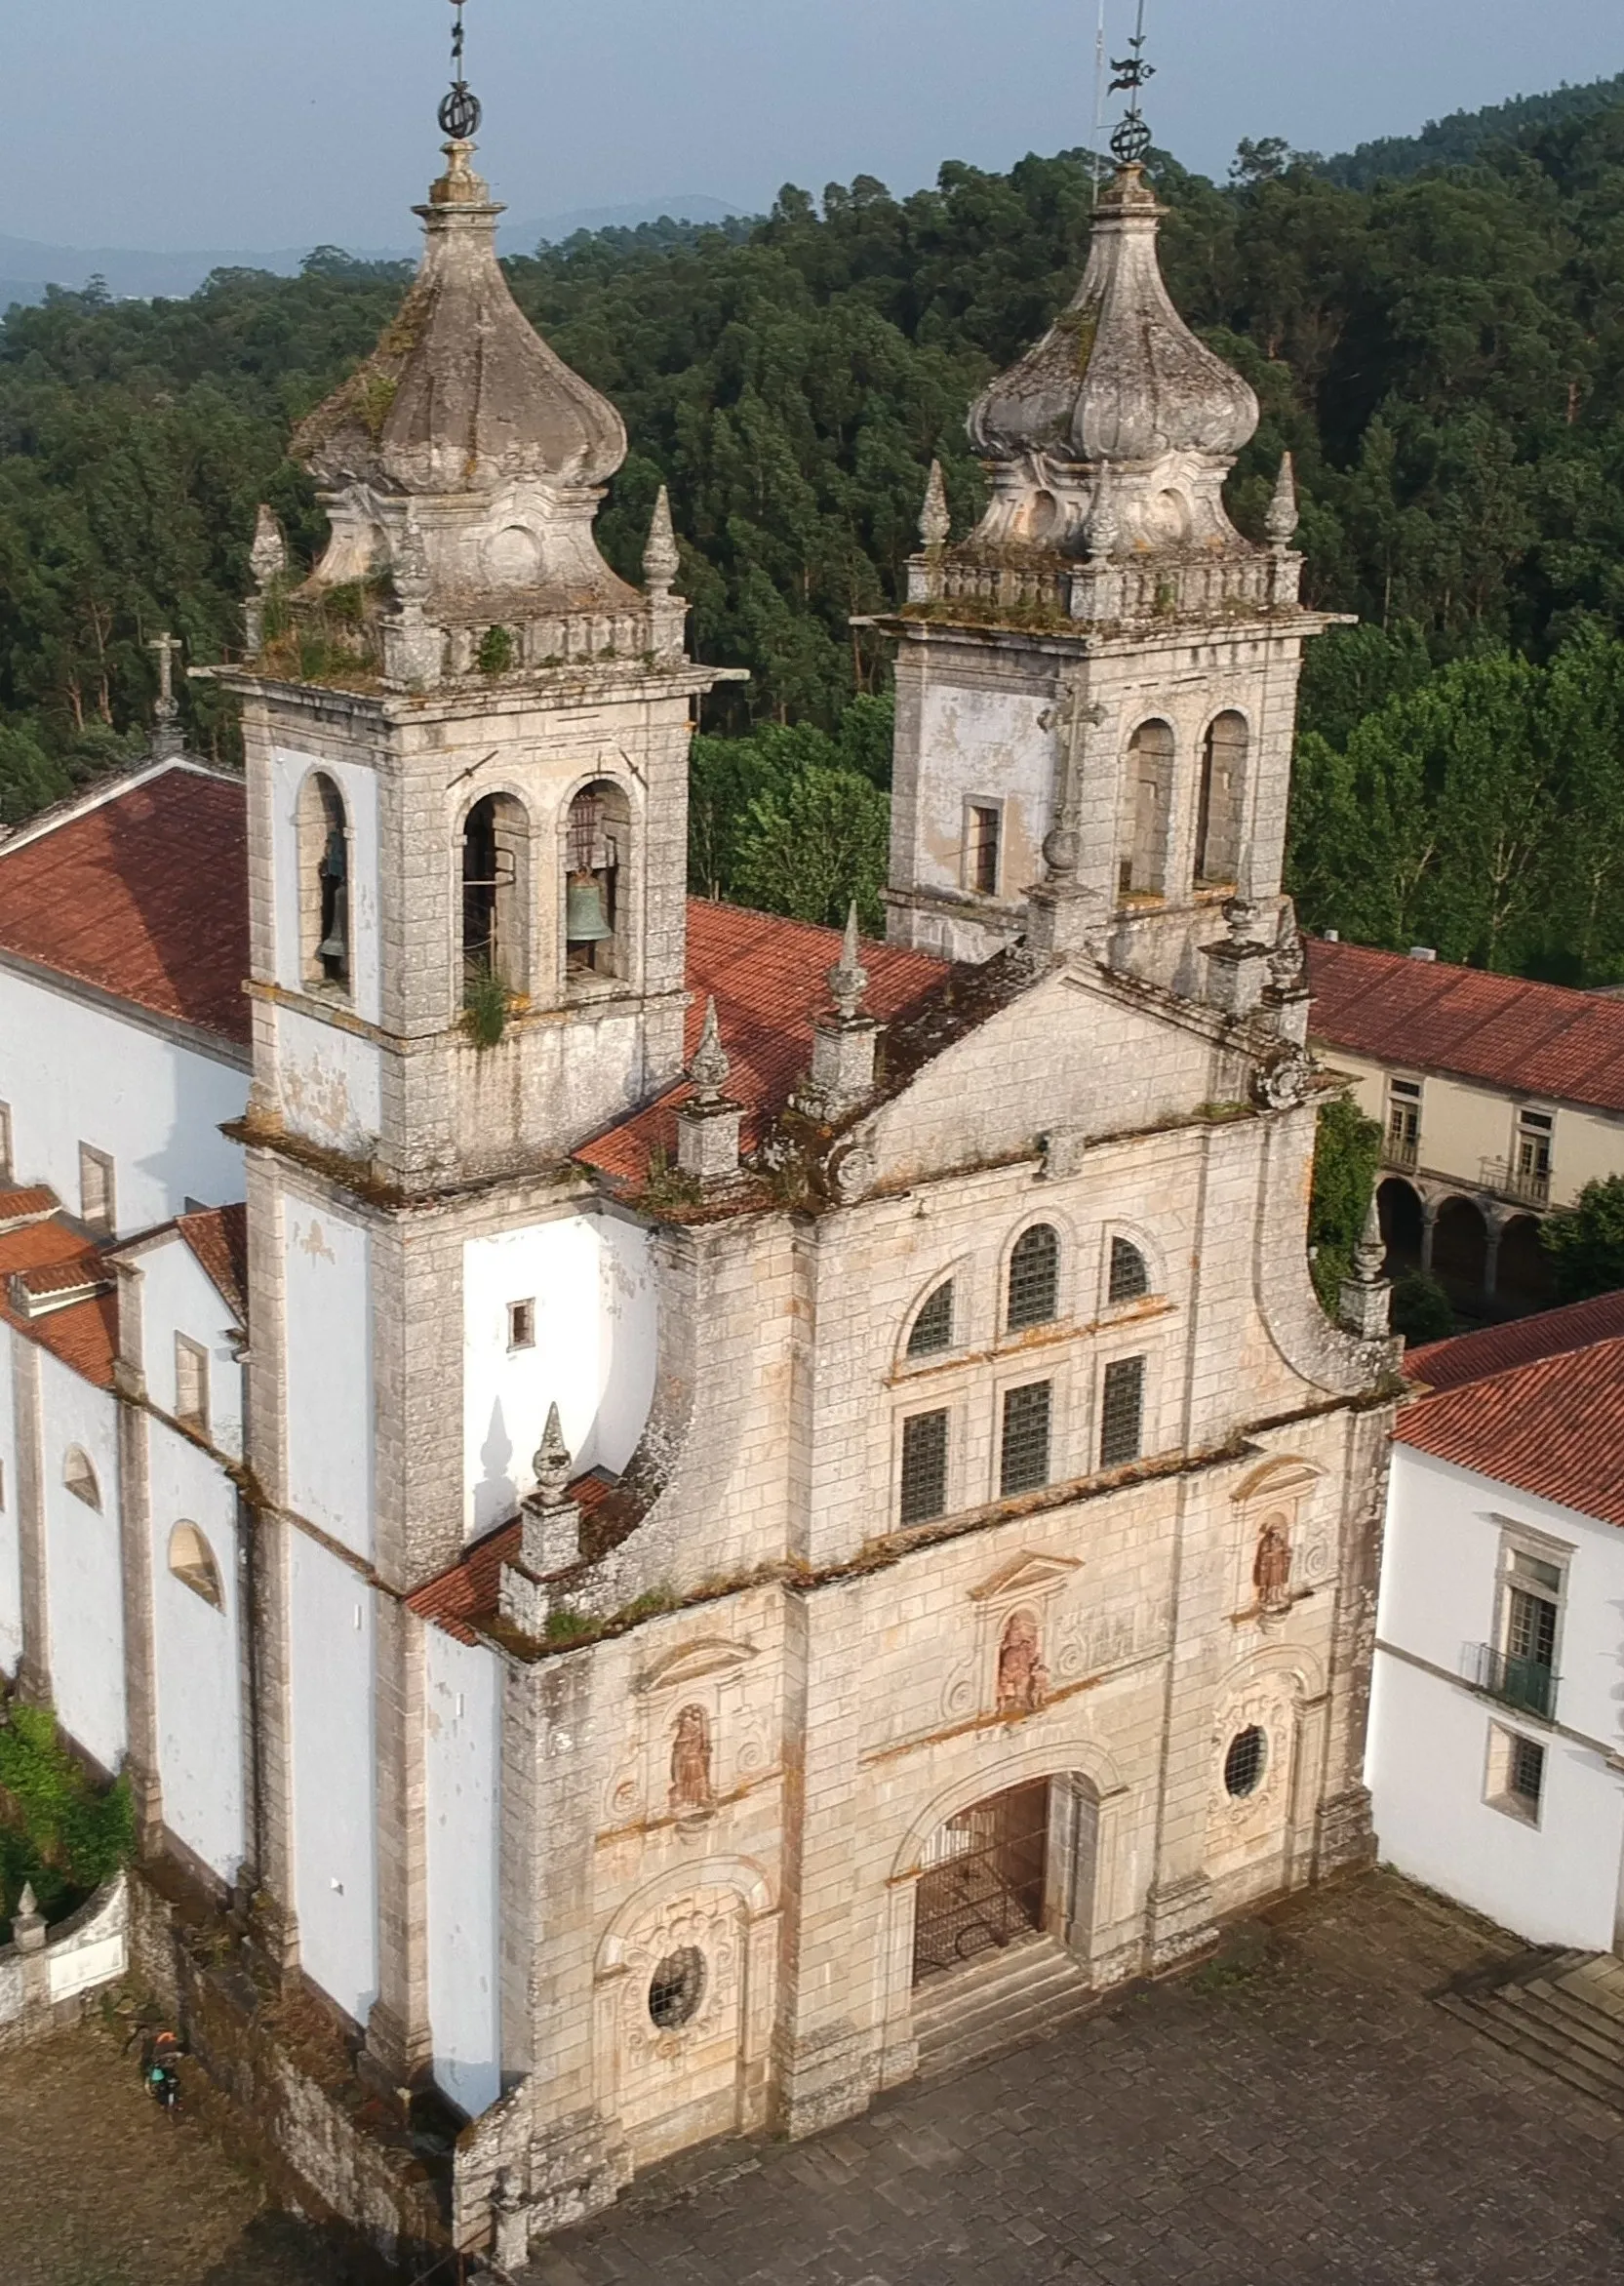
(1022, 1676)
(692, 1789)
(1271, 1572)
(1282, 1082)
(854, 1173)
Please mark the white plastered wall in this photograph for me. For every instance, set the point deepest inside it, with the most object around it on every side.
(197, 1657)
(330, 1406)
(10, 1547)
(984, 744)
(462, 1778)
(331, 1083)
(335, 1792)
(73, 1073)
(83, 1565)
(594, 1355)
(1556, 1882)
(179, 1297)
(359, 788)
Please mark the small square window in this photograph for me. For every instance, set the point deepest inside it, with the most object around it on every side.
(521, 1325)
(191, 1383)
(1024, 1460)
(1122, 1412)
(983, 826)
(96, 1192)
(924, 1493)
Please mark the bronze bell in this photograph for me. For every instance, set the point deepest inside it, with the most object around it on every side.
(585, 921)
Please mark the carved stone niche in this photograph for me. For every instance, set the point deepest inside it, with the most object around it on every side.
(1283, 1547)
(1008, 1668)
(696, 1735)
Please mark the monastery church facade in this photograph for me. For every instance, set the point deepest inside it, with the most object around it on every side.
(658, 1489)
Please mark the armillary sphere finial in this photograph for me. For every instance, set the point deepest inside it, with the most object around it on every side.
(1132, 139)
(460, 113)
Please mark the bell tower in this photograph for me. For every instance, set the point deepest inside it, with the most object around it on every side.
(1096, 689)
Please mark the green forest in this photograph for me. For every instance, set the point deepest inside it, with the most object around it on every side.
(1435, 330)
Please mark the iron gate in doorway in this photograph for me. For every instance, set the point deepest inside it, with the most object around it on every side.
(983, 1883)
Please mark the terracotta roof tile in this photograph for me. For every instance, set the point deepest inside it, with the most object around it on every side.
(85, 1335)
(1428, 1016)
(1473, 1357)
(34, 1205)
(219, 1237)
(144, 895)
(1554, 1427)
(769, 978)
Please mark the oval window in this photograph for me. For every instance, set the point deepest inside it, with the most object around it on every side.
(1246, 1762)
(677, 1988)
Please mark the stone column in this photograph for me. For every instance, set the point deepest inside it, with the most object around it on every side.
(267, 1567)
(135, 1550)
(399, 2039)
(33, 1673)
(1492, 1255)
(1429, 1231)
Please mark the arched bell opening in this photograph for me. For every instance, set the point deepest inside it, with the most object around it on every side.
(324, 885)
(1224, 772)
(1142, 866)
(495, 917)
(597, 883)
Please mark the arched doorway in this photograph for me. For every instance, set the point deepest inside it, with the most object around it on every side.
(1012, 1865)
(1401, 1225)
(1460, 1251)
(1525, 1282)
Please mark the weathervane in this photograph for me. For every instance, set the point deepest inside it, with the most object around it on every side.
(1132, 139)
(459, 113)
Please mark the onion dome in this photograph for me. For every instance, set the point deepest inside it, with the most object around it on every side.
(1119, 376)
(461, 395)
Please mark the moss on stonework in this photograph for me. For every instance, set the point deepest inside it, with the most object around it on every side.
(496, 652)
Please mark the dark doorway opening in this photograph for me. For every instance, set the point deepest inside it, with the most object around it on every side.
(984, 1881)
(1401, 1225)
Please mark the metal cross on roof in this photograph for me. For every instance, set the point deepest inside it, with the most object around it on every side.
(1131, 139)
(460, 113)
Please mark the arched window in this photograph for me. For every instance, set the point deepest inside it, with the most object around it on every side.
(1034, 1296)
(80, 1477)
(597, 845)
(192, 1561)
(496, 873)
(324, 902)
(1129, 1273)
(932, 1329)
(1224, 773)
(1143, 869)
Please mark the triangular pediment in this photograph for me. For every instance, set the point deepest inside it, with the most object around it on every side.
(1026, 1574)
(698, 1663)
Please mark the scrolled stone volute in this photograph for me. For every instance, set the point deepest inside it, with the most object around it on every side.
(1119, 378)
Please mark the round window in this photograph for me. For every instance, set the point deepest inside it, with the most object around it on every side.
(1243, 1764)
(677, 1988)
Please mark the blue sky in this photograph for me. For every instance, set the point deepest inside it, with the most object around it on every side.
(252, 124)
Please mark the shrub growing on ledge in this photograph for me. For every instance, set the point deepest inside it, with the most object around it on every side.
(485, 1006)
(57, 1831)
(495, 652)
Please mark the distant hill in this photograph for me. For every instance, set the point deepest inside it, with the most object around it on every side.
(27, 265)
(1451, 141)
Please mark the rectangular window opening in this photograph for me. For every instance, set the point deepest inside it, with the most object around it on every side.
(191, 1383)
(1516, 1774)
(924, 1491)
(1025, 1455)
(1122, 1412)
(97, 1205)
(983, 824)
(521, 1325)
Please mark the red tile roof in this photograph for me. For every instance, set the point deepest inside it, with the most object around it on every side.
(1427, 1016)
(144, 895)
(1554, 1427)
(1473, 1357)
(769, 978)
(85, 1335)
(34, 1205)
(219, 1237)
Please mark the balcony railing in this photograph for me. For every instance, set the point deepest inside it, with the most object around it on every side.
(1399, 1151)
(1524, 1683)
(1531, 1188)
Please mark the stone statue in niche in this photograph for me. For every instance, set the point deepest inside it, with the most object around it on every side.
(1271, 1572)
(1023, 1677)
(691, 1784)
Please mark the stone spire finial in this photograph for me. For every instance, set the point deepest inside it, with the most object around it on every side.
(935, 521)
(552, 1463)
(1280, 522)
(1287, 966)
(1371, 1254)
(1102, 534)
(268, 559)
(710, 1068)
(1366, 1301)
(166, 737)
(28, 1904)
(849, 978)
(659, 557)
